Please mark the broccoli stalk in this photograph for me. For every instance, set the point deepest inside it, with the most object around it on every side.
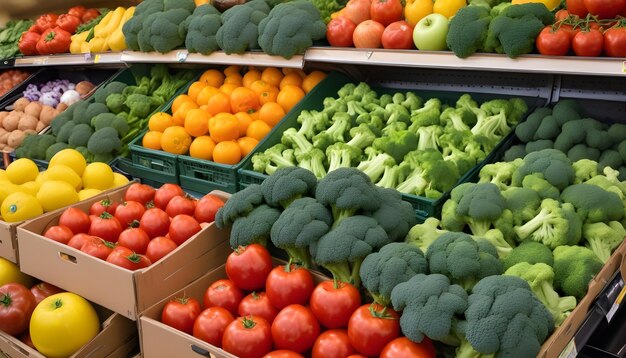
(554, 225)
(375, 164)
(313, 161)
(312, 122)
(342, 155)
(362, 136)
(602, 239)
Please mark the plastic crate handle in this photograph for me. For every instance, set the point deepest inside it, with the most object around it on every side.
(201, 351)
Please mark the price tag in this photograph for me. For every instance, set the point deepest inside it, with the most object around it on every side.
(181, 56)
(40, 61)
(96, 58)
(569, 351)
(624, 67)
(616, 304)
(87, 56)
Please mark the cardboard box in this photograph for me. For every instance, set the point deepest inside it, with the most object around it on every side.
(8, 242)
(117, 339)
(160, 340)
(561, 342)
(123, 291)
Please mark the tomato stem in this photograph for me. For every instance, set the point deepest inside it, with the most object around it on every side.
(6, 299)
(248, 323)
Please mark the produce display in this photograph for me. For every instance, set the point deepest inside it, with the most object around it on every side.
(103, 33)
(9, 37)
(10, 79)
(138, 231)
(223, 116)
(417, 146)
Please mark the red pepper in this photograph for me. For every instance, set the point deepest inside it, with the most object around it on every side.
(77, 11)
(46, 21)
(90, 14)
(28, 43)
(54, 41)
(34, 28)
(68, 22)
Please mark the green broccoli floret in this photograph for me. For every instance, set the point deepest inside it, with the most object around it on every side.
(362, 136)
(617, 132)
(537, 183)
(335, 133)
(105, 91)
(203, 26)
(63, 135)
(141, 106)
(342, 155)
(457, 118)
(169, 86)
(312, 160)
(553, 164)
(79, 112)
(34, 146)
(566, 110)
(239, 205)
(464, 260)
(394, 215)
(428, 115)
(393, 176)
(54, 149)
(254, 228)
(431, 306)
(538, 145)
(496, 10)
(505, 318)
(574, 132)
(478, 205)
(609, 180)
(431, 175)
(603, 238)
(574, 268)
(397, 114)
(517, 151)
(522, 202)
(375, 163)
(342, 250)
(277, 155)
(394, 264)
(110, 120)
(80, 135)
(163, 29)
(527, 130)
(621, 149)
(397, 144)
(492, 127)
(422, 235)
(531, 252)
(594, 204)
(295, 140)
(581, 151)
(95, 109)
(115, 103)
(240, 27)
(288, 184)
(312, 122)
(500, 173)
(105, 140)
(598, 139)
(548, 129)
(585, 169)
(429, 137)
(59, 121)
(610, 158)
(468, 30)
(555, 225)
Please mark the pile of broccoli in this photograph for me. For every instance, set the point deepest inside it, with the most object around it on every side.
(398, 140)
(101, 127)
(566, 127)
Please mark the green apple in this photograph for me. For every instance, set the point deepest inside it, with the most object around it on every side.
(430, 33)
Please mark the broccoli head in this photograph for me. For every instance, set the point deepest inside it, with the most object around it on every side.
(80, 135)
(202, 29)
(541, 186)
(394, 215)
(553, 164)
(288, 184)
(594, 204)
(468, 30)
(105, 140)
(531, 252)
(603, 238)
(556, 224)
(500, 173)
(239, 204)
(254, 228)
(584, 170)
(239, 31)
(424, 234)
(479, 204)
(522, 202)
(574, 268)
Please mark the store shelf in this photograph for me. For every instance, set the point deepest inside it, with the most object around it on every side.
(70, 59)
(218, 58)
(594, 66)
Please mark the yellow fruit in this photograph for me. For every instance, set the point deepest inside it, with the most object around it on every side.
(97, 175)
(19, 207)
(10, 273)
(3, 175)
(30, 187)
(64, 173)
(70, 157)
(55, 194)
(22, 170)
(119, 180)
(88, 193)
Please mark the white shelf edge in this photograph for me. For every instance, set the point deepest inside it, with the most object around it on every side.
(70, 59)
(218, 57)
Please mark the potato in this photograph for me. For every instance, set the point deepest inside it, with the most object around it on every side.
(3, 115)
(4, 136)
(40, 126)
(15, 138)
(27, 122)
(47, 114)
(62, 106)
(11, 121)
(21, 104)
(33, 109)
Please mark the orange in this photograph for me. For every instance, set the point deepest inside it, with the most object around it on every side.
(299, 72)
(232, 70)
(205, 94)
(228, 88)
(202, 148)
(244, 121)
(195, 89)
(219, 103)
(152, 140)
(311, 80)
(235, 79)
(197, 122)
(243, 99)
(272, 75)
(268, 96)
(289, 96)
(251, 76)
(292, 78)
(260, 86)
(271, 113)
(178, 101)
(224, 127)
(254, 115)
(227, 152)
(175, 140)
(246, 144)
(181, 112)
(213, 77)
(258, 129)
(159, 121)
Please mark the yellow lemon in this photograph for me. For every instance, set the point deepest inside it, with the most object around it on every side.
(10, 273)
(20, 206)
(70, 157)
(30, 187)
(3, 175)
(119, 180)
(88, 193)
(97, 175)
(55, 194)
(22, 170)
(64, 173)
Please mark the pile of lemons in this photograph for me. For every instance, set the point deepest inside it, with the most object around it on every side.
(26, 192)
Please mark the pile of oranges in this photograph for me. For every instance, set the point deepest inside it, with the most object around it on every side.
(226, 113)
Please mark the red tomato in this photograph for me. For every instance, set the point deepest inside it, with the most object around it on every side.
(286, 285)
(43, 290)
(76, 220)
(155, 222)
(165, 193)
(247, 337)
(371, 327)
(357, 10)
(257, 304)
(103, 205)
(98, 248)
(180, 205)
(210, 324)
(248, 267)
(106, 227)
(135, 239)
(333, 343)
(78, 240)
(223, 293)
(207, 207)
(368, 34)
(283, 353)
(77, 11)
(128, 212)
(605, 9)
(68, 22)
(404, 347)
(16, 306)
(386, 11)
(126, 258)
(59, 233)
(577, 7)
(615, 42)
(89, 15)
(398, 35)
(182, 228)
(553, 43)
(159, 247)
(561, 15)
(295, 328)
(181, 313)
(141, 193)
(588, 43)
(339, 32)
(332, 305)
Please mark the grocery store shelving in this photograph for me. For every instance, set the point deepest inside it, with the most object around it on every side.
(70, 59)
(218, 57)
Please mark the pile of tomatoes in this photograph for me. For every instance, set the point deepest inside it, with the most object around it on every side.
(134, 233)
(281, 312)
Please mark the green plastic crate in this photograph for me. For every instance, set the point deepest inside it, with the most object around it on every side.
(424, 207)
(154, 165)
